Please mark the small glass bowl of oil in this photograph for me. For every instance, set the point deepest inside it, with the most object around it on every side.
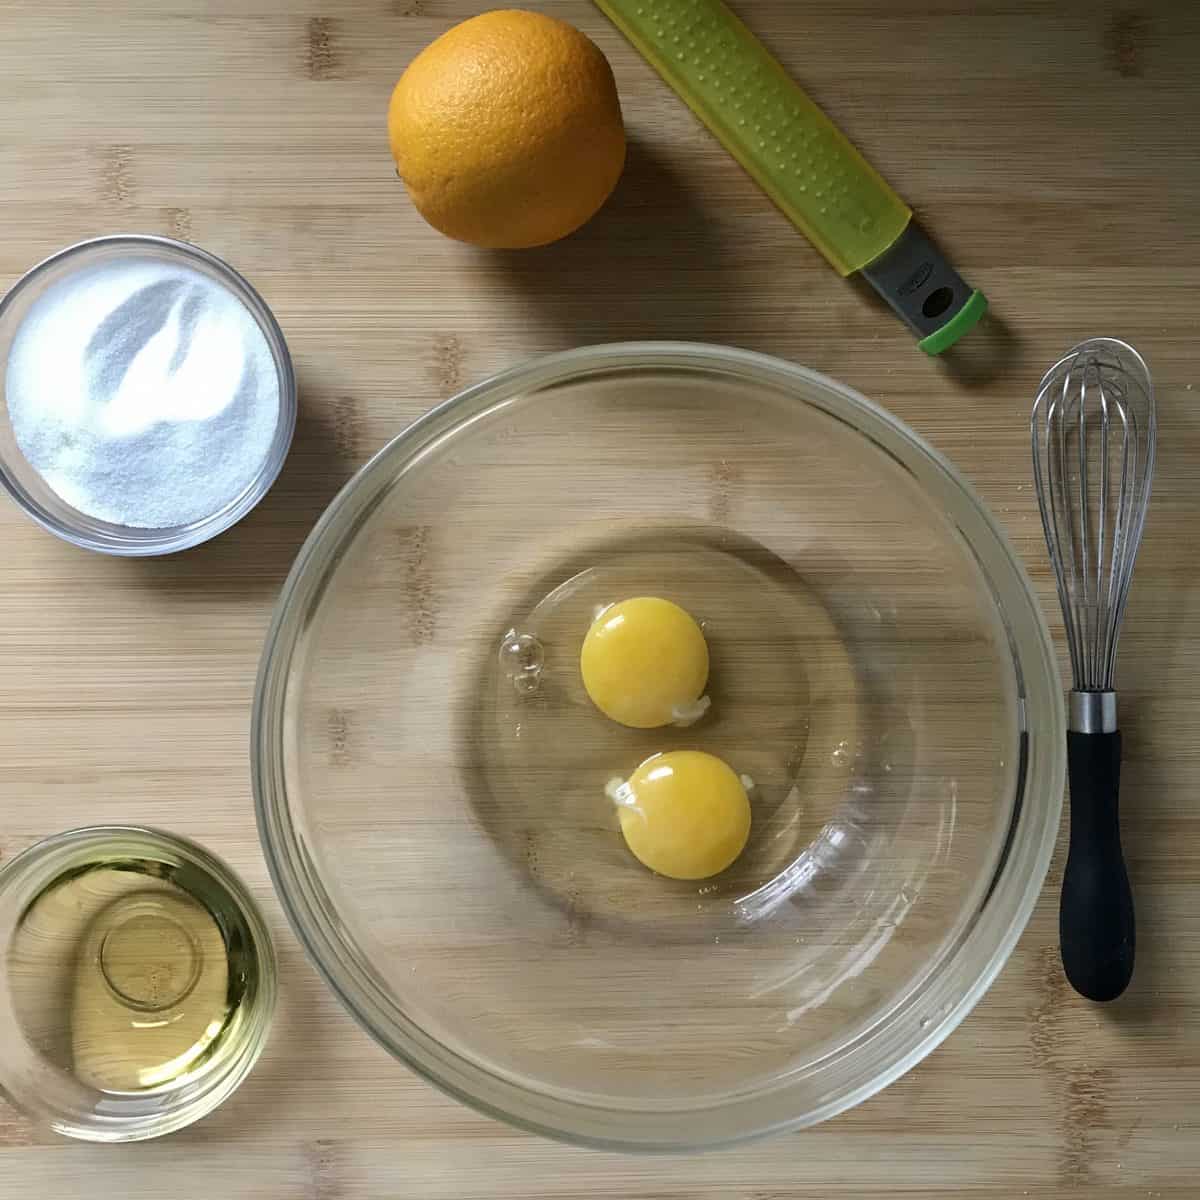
(137, 986)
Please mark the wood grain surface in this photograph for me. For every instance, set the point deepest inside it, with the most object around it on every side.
(1051, 147)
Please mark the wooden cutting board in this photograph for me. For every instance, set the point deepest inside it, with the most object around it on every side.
(1051, 147)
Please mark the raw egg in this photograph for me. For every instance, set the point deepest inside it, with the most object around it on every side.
(645, 663)
(684, 814)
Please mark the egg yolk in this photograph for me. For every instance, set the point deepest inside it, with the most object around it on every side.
(684, 814)
(645, 663)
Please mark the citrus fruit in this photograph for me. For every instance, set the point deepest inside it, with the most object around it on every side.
(507, 130)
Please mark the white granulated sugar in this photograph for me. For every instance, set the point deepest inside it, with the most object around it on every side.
(143, 392)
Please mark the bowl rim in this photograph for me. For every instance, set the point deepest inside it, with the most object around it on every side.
(185, 537)
(908, 1032)
(60, 848)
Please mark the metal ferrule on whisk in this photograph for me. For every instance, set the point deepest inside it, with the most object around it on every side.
(1092, 712)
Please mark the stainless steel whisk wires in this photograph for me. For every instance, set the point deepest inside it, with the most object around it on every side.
(1093, 433)
(1095, 403)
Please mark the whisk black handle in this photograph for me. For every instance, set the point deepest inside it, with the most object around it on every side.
(1095, 923)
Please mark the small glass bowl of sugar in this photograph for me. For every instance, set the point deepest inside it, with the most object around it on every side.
(147, 397)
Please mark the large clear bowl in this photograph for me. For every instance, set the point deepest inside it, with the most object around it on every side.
(440, 837)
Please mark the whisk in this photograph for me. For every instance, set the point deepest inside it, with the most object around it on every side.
(1093, 433)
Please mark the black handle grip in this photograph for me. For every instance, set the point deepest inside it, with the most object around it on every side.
(1095, 923)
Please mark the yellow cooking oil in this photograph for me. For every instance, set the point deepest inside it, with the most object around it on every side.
(133, 975)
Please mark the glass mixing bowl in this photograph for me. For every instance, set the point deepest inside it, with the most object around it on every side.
(430, 773)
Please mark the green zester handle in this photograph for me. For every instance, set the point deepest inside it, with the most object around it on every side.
(767, 122)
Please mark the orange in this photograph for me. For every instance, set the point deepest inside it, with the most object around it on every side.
(507, 130)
